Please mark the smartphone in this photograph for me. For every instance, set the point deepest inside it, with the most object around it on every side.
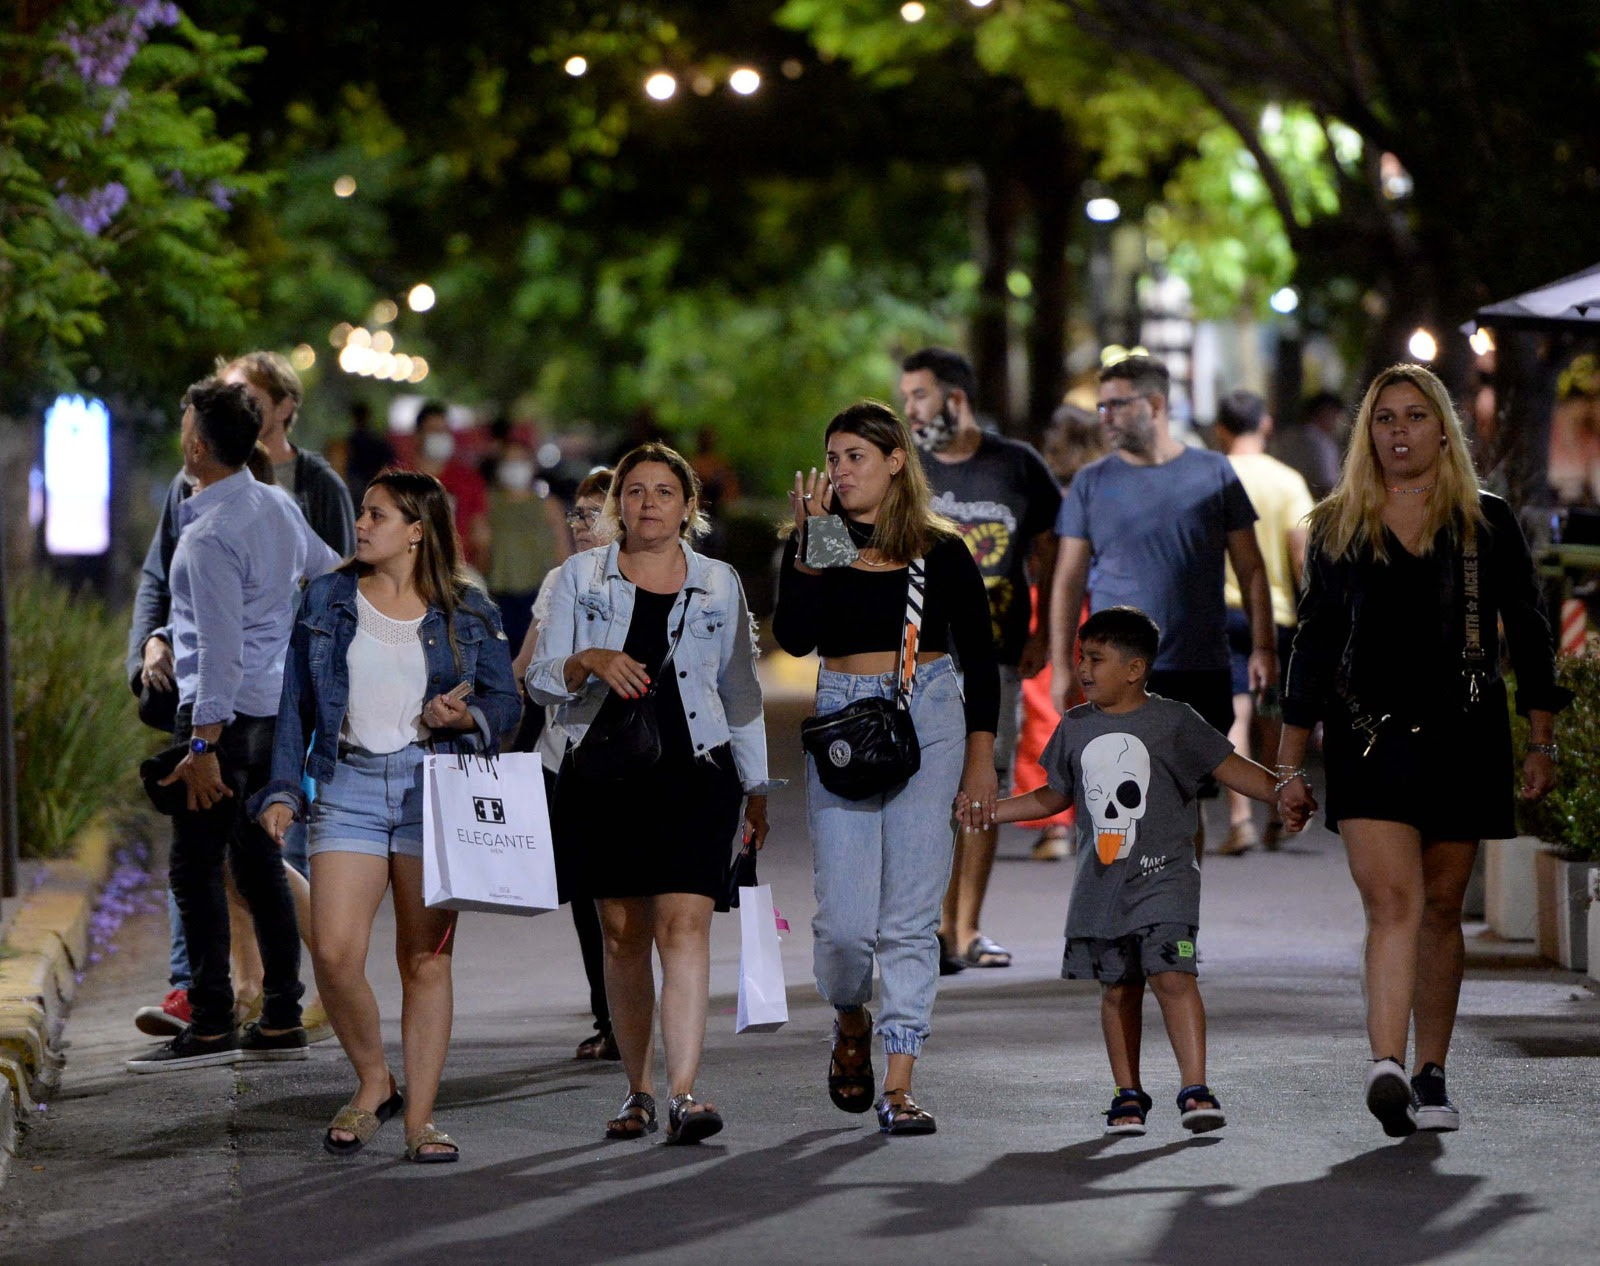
(827, 542)
(460, 692)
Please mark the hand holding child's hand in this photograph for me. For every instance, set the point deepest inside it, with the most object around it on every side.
(1296, 804)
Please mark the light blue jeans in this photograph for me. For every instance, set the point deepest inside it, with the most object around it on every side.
(881, 865)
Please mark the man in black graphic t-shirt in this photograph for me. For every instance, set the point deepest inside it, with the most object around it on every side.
(1005, 500)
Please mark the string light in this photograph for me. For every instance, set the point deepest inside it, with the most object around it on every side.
(745, 80)
(576, 66)
(913, 11)
(344, 186)
(660, 86)
(421, 297)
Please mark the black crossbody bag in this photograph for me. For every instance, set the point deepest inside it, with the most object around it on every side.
(630, 741)
(870, 746)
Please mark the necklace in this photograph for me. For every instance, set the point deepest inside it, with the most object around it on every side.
(1412, 492)
(869, 563)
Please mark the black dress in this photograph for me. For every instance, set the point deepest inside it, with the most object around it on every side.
(1436, 764)
(669, 830)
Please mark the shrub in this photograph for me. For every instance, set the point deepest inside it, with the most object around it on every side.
(78, 736)
(1569, 817)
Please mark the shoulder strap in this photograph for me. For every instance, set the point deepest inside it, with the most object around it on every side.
(1472, 653)
(910, 634)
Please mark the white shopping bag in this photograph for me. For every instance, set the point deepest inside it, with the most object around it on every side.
(763, 1005)
(486, 835)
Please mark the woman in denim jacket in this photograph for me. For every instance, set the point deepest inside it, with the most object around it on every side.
(392, 651)
(662, 861)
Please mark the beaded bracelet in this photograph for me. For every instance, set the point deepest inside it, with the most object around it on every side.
(1286, 775)
(1544, 749)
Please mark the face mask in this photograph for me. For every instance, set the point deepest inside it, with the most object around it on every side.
(517, 476)
(438, 446)
(936, 434)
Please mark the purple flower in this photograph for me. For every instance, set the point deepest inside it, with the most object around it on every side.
(94, 211)
(220, 195)
(103, 52)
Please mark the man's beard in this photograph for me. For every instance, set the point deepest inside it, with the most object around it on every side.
(1137, 435)
(937, 434)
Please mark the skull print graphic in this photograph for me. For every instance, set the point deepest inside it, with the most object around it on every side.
(1116, 786)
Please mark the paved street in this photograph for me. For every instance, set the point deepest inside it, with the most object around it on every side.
(224, 1165)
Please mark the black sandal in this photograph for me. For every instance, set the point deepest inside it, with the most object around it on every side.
(1127, 1104)
(601, 1044)
(684, 1126)
(903, 1117)
(635, 1119)
(850, 1069)
(1206, 1115)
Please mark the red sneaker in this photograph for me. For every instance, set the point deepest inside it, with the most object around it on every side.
(167, 1020)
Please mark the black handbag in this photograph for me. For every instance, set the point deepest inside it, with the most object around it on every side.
(628, 742)
(871, 746)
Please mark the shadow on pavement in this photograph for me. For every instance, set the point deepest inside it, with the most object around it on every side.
(1388, 1207)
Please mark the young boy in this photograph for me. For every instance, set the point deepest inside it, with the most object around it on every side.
(1133, 761)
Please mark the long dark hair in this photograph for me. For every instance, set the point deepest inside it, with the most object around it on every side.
(437, 574)
(907, 526)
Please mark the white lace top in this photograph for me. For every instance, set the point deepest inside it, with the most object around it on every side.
(388, 681)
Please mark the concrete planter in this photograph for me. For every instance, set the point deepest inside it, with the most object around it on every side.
(1563, 910)
(1509, 904)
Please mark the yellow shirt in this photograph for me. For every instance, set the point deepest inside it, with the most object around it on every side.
(1282, 499)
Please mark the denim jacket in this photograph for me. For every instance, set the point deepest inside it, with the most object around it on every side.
(316, 683)
(592, 605)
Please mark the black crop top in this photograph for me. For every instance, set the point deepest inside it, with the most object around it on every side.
(849, 611)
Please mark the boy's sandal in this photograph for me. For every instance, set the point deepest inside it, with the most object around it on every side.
(903, 1117)
(986, 953)
(431, 1136)
(1127, 1112)
(361, 1123)
(635, 1119)
(689, 1120)
(850, 1069)
(1206, 1114)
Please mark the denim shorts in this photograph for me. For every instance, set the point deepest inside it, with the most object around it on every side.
(372, 804)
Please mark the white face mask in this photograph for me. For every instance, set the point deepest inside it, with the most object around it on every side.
(516, 476)
(438, 446)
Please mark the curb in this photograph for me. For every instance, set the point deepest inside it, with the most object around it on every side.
(46, 947)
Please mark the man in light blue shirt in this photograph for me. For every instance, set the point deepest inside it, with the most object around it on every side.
(243, 550)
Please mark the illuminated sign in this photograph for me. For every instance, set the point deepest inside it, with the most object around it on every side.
(77, 477)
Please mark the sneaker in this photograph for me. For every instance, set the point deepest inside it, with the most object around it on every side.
(317, 1025)
(1434, 1109)
(256, 1047)
(187, 1051)
(169, 1019)
(1389, 1098)
(1051, 846)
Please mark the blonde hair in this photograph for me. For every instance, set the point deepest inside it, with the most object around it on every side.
(271, 373)
(695, 524)
(1350, 519)
(907, 526)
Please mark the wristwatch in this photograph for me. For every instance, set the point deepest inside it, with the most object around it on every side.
(200, 746)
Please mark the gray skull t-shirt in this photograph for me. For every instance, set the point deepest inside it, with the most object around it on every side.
(1133, 776)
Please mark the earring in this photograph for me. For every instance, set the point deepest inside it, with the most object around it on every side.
(412, 546)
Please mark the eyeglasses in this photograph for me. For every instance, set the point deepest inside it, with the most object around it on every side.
(582, 518)
(1115, 405)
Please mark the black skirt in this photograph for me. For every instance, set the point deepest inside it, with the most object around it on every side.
(670, 829)
(1449, 774)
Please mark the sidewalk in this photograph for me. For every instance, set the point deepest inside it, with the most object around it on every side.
(224, 1164)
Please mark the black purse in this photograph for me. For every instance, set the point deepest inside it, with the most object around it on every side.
(628, 742)
(871, 746)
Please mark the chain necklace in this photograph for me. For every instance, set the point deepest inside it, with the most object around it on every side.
(862, 536)
(1413, 492)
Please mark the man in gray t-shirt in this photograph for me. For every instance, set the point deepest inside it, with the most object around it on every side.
(1133, 776)
(1149, 527)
